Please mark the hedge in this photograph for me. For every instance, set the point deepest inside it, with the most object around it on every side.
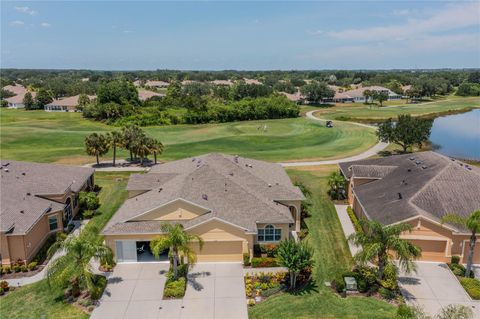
(354, 219)
(259, 262)
(472, 287)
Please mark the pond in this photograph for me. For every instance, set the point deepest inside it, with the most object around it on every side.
(458, 135)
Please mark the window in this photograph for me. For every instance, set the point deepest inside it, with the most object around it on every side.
(52, 222)
(269, 233)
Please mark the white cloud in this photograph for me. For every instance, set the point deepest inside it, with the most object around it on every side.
(45, 24)
(316, 32)
(17, 23)
(26, 10)
(403, 12)
(449, 18)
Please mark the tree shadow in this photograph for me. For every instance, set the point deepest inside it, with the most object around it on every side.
(192, 279)
(309, 288)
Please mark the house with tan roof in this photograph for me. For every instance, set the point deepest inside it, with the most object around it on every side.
(37, 201)
(16, 101)
(231, 202)
(356, 95)
(65, 104)
(417, 189)
(144, 95)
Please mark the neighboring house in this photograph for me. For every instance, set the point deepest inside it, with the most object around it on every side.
(231, 202)
(16, 101)
(418, 189)
(144, 95)
(65, 104)
(222, 82)
(37, 200)
(296, 97)
(252, 81)
(356, 95)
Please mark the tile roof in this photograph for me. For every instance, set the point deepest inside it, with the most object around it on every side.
(429, 185)
(144, 95)
(21, 185)
(69, 101)
(237, 190)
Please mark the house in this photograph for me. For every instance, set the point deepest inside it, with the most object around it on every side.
(296, 97)
(16, 101)
(418, 189)
(222, 82)
(144, 95)
(356, 95)
(38, 200)
(252, 81)
(230, 201)
(65, 104)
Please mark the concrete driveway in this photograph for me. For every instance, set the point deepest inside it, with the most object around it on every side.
(214, 290)
(434, 287)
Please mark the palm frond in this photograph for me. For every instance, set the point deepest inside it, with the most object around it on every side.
(454, 219)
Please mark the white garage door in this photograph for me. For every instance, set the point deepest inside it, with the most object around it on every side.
(126, 250)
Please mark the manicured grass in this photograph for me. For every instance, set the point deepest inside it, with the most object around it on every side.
(38, 299)
(59, 137)
(331, 257)
(366, 113)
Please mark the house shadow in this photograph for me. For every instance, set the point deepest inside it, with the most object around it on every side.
(192, 279)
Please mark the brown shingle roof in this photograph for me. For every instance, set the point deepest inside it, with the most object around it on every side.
(237, 190)
(21, 185)
(71, 101)
(429, 184)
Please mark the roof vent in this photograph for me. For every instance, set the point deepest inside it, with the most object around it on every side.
(412, 158)
(424, 166)
(400, 196)
(231, 174)
(23, 173)
(269, 185)
(409, 170)
(418, 162)
(22, 212)
(29, 194)
(5, 170)
(160, 189)
(205, 197)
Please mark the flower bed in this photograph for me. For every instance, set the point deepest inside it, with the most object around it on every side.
(262, 285)
(175, 289)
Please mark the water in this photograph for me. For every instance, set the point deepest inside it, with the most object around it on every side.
(458, 135)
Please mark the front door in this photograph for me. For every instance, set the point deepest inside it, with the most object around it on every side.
(126, 251)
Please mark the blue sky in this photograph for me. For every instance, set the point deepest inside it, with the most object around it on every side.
(240, 35)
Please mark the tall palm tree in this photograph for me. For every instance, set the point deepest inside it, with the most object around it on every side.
(156, 147)
(178, 241)
(130, 134)
(141, 146)
(96, 145)
(74, 265)
(379, 241)
(115, 139)
(472, 223)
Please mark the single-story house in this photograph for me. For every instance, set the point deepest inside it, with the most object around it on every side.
(296, 97)
(252, 81)
(37, 200)
(65, 104)
(356, 95)
(144, 95)
(231, 202)
(222, 82)
(417, 189)
(16, 101)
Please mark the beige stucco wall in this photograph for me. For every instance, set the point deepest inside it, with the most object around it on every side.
(285, 232)
(297, 205)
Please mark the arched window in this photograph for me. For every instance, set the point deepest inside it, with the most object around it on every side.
(269, 233)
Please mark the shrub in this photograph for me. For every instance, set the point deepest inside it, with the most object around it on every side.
(386, 293)
(256, 250)
(17, 268)
(100, 282)
(175, 288)
(23, 268)
(270, 250)
(354, 219)
(88, 201)
(251, 302)
(1, 291)
(4, 285)
(405, 312)
(472, 287)
(88, 213)
(455, 260)
(338, 284)
(61, 236)
(246, 259)
(7, 269)
(1, 270)
(32, 266)
(259, 262)
(390, 278)
(271, 291)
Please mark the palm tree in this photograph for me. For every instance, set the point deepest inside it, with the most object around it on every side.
(141, 146)
(96, 144)
(74, 265)
(472, 223)
(379, 241)
(367, 94)
(115, 139)
(130, 134)
(295, 256)
(156, 147)
(178, 241)
(336, 181)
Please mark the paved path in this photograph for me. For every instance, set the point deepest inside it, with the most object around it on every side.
(214, 290)
(380, 146)
(434, 286)
(347, 226)
(17, 282)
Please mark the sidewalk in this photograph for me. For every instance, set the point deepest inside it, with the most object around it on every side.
(347, 226)
(17, 282)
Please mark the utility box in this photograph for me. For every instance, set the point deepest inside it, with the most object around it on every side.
(350, 284)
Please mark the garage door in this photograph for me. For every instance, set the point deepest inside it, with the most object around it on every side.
(126, 250)
(220, 251)
(432, 250)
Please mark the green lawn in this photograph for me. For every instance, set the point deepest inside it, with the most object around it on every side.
(362, 112)
(331, 257)
(38, 299)
(59, 137)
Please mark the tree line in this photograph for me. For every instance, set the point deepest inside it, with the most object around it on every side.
(131, 138)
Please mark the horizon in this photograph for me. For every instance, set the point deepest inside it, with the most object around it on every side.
(251, 36)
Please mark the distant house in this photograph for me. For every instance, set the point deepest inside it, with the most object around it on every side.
(65, 104)
(16, 101)
(222, 82)
(231, 202)
(37, 201)
(151, 83)
(252, 81)
(356, 95)
(296, 97)
(144, 95)
(417, 189)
